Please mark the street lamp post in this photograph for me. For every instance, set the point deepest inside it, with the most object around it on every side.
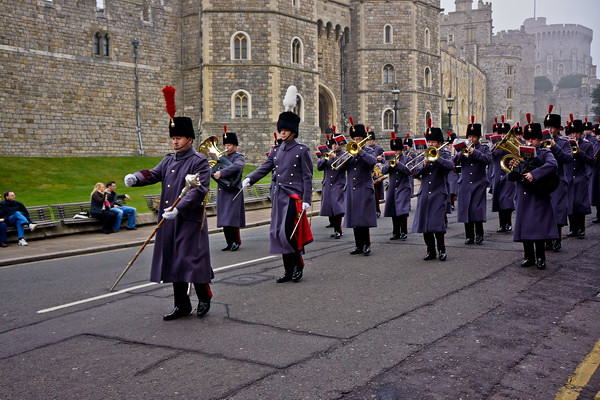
(135, 42)
(449, 104)
(396, 94)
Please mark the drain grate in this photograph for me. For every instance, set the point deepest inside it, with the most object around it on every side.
(246, 280)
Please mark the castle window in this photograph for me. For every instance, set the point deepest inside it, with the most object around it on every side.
(106, 46)
(297, 56)
(561, 69)
(388, 120)
(97, 44)
(388, 34)
(427, 38)
(295, 3)
(510, 70)
(427, 77)
(100, 5)
(241, 107)
(388, 74)
(509, 93)
(299, 109)
(538, 70)
(240, 46)
(451, 38)
(509, 113)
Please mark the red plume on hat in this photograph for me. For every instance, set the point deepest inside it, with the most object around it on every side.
(585, 120)
(571, 117)
(169, 93)
(225, 131)
(327, 137)
(333, 129)
(550, 107)
(495, 120)
(518, 124)
(473, 119)
(502, 119)
(528, 116)
(351, 121)
(367, 127)
(429, 123)
(393, 135)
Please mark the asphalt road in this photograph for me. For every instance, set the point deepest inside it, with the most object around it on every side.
(387, 326)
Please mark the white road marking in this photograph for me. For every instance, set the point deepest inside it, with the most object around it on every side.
(90, 299)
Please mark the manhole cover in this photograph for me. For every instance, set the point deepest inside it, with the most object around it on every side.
(246, 280)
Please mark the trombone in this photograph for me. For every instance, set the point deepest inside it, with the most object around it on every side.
(430, 154)
(352, 150)
(465, 151)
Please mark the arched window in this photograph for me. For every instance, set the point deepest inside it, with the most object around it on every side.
(299, 109)
(561, 69)
(388, 73)
(388, 119)
(100, 5)
(106, 45)
(97, 44)
(297, 55)
(538, 70)
(240, 46)
(241, 106)
(509, 93)
(509, 113)
(427, 38)
(427, 116)
(427, 77)
(388, 34)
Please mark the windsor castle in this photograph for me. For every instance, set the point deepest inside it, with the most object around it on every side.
(84, 77)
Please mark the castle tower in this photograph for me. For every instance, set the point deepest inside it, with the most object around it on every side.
(394, 43)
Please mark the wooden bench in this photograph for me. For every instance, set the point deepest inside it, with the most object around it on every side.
(41, 216)
(66, 213)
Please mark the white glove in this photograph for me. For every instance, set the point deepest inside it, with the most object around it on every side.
(305, 206)
(246, 183)
(130, 180)
(170, 214)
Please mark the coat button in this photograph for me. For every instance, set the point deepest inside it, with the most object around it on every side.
(294, 165)
(166, 201)
(429, 192)
(172, 170)
(291, 174)
(168, 186)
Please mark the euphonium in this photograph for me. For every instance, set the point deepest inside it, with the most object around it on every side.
(209, 148)
(510, 144)
(352, 150)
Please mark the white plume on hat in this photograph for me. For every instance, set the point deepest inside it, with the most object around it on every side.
(289, 101)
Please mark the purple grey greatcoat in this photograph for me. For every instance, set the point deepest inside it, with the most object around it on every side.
(560, 200)
(433, 196)
(503, 190)
(359, 190)
(534, 217)
(231, 213)
(472, 184)
(292, 168)
(378, 151)
(332, 195)
(579, 179)
(181, 250)
(399, 191)
(595, 178)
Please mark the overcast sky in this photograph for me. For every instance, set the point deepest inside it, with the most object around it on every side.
(510, 14)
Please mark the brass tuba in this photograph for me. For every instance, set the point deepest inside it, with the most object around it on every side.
(209, 148)
(510, 144)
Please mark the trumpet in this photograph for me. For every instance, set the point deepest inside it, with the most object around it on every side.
(352, 150)
(431, 154)
(547, 143)
(465, 151)
(575, 148)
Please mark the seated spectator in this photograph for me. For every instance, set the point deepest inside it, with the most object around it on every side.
(115, 203)
(100, 208)
(2, 232)
(15, 214)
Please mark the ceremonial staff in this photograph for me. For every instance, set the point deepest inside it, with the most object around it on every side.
(191, 181)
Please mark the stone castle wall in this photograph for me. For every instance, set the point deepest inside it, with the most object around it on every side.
(60, 99)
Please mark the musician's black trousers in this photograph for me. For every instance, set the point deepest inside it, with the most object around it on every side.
(378, 195)
(472, 228)
(336, 222)
(182, 300)
(232, 234)
(534, 249)
(362, 237)
(576, 222)
(430, 239)
(505, 217)
(293, 259)
(400, 224)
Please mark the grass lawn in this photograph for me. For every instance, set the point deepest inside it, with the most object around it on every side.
(40, 180)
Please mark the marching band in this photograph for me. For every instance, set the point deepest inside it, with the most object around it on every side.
(549, 178)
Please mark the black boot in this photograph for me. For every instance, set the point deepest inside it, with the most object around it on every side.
(297, 274)
(289, 263)
(177, 313)
(540, 263)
